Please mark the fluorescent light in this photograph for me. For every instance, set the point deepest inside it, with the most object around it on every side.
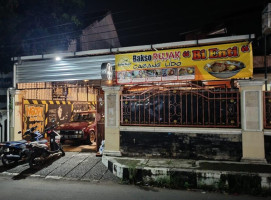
(58, 58)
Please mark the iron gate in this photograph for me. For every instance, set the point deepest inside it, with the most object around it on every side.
(190, 106)
(267, 109)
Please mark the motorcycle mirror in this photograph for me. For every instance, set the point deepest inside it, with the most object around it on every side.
(19, 132)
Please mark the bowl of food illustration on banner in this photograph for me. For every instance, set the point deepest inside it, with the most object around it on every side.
(224, 69)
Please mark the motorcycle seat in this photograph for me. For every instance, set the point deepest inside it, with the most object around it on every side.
(42, 141)
(16, 142)
(21, 141)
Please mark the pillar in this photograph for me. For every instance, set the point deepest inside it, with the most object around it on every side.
(112, 120)
(252, 121)
(17, 114)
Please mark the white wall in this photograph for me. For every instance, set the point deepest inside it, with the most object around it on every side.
(3, 117)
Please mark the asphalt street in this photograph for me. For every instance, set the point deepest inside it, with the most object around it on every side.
(36, 188)
(73, 166)
(81, 176)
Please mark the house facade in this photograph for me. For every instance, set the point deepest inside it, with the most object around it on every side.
(193, 99)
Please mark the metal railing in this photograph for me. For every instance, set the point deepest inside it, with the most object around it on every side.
(188, 105)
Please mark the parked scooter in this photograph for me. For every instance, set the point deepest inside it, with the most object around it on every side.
(40, 152)
(15, 151)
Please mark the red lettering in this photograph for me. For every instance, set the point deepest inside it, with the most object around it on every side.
(203, 54)
(245, 48)
(186, 54)
(161, 56)
(199, 54)
(196, 55)
(155, 57)
(213, 53)
(222, 54)
(171, 55)
(177, 55)
(167, 56)
(232, 52)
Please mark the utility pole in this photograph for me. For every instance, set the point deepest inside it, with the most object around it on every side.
(266, 30)
(265, 64)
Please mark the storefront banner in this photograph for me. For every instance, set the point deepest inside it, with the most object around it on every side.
(217, 62)
(34, 116)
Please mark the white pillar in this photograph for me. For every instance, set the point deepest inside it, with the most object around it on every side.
(18, 114)
(252, 121)
(10, 118)
(112, 120)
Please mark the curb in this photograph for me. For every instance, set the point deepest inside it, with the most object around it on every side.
(192, 178)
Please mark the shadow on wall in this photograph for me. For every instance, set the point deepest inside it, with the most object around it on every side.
(184, 146)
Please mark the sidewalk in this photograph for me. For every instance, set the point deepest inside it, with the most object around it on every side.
(234, 177)
(73, 166)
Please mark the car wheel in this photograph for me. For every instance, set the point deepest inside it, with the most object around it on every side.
(87, 141)
(92, 136)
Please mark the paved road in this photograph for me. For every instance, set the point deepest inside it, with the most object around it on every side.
(74, 165)
(36, 188)
(90, 179)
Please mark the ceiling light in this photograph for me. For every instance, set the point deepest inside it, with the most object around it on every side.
(58, 58)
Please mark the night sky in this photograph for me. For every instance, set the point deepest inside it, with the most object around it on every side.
(168, 21)
(137, 22)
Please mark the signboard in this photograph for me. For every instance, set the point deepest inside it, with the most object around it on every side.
(107, 71)
(34, 116)
(227, 61)
(59, 113)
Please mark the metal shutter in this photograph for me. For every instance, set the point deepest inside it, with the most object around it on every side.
(68, 69)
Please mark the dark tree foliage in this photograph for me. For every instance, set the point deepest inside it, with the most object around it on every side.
(37, 27)
(31, 27)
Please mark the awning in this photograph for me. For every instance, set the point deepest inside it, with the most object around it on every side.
(67, 69)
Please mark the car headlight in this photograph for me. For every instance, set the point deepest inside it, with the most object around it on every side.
(80, 132)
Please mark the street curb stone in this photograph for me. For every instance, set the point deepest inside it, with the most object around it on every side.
(188, 177)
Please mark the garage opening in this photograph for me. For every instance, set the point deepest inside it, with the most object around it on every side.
(67, 90)
(76, 107)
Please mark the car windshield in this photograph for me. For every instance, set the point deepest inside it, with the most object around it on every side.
(83, 117)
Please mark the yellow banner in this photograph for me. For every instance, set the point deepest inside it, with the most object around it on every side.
(217, 62)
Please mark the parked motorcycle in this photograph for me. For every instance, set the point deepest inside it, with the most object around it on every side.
(40, 152)
(15, 151)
